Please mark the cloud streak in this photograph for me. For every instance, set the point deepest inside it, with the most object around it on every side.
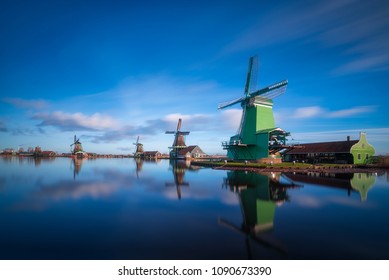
(360, 27)
(26, 104)
(197, 122)
(375, 136)
(77, 121)
(318, 112)
(227, 120)
(3, 127)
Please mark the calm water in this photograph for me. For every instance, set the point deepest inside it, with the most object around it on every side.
(123, 209)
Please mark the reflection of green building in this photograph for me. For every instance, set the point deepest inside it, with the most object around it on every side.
(362, 182)
(255, 199)
(258, 196)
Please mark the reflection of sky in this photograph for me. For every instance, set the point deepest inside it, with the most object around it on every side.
(331, 218)
(109, 211)
(107, 204)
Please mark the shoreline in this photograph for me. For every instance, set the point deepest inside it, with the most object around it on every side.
(300, 168)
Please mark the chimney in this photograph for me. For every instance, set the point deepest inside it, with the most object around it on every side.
(348, 138)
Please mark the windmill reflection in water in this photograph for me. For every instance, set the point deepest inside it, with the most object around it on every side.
(258, 197)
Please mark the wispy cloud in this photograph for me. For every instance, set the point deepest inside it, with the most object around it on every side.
(351, 112)
(308, 201)
(26, 131)
(215, 123)
(307, 112)
(140, 94)
(300, 21)
(319, 112)
(361, 28)
(3, 127)
(375, 136)
(26, 103)
(231, 117)
(197, 122)
(76, 121)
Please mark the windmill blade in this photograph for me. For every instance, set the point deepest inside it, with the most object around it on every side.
(183, 133)
(272, 91)
(137, 140)
(252, 74)
(262, 239)
(230, 103)
(170, 132)
(179, 124)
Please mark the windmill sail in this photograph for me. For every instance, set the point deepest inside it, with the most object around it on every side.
(272, 91)
(230, 103)
(251, 79)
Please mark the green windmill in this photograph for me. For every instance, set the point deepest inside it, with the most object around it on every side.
(257, 138)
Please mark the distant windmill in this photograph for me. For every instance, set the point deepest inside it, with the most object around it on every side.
(77, 146)
(257, 136)
(179, 140)
(139, 148)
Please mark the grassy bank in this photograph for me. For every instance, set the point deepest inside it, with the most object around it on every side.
(286, 166)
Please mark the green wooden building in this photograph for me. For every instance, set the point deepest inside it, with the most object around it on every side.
(349, 151)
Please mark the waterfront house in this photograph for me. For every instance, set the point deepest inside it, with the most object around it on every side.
(349, 151)
(47, 154)
(151, 154)
(193, 151)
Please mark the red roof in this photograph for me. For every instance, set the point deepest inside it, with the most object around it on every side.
(324, 147)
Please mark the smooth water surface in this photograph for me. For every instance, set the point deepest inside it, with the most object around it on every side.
(125, 209)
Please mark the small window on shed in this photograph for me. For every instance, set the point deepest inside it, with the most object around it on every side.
(359, 156)
(363, 145)
(367, 156)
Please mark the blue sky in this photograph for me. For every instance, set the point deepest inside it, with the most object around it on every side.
(109, 71)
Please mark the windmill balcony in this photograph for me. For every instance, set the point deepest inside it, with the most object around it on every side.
(227, 144)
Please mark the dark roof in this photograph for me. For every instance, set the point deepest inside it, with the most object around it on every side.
(324, 147)
(150, 152)
(188, 149)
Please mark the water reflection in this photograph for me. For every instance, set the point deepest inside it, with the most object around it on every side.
(362, 182)
(350, 182)
(131, 209)
(179, 168)
(77, 163)
(258, 196)
(139, 166)
(29, 160)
